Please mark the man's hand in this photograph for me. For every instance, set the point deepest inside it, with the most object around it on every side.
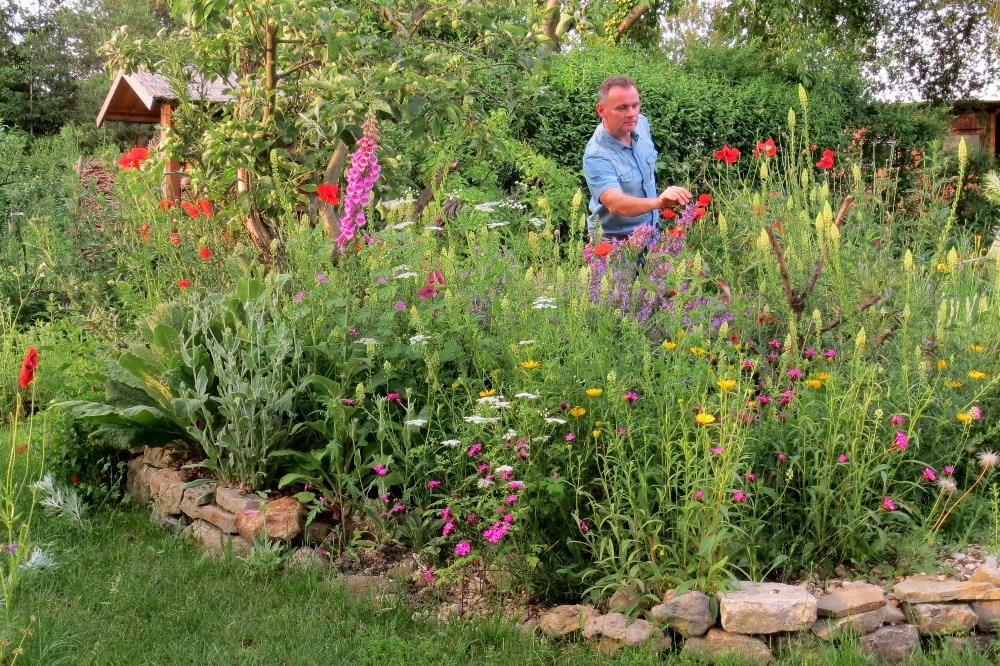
(675, 195)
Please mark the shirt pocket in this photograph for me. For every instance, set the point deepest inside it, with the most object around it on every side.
(651, 165)
(629, 176)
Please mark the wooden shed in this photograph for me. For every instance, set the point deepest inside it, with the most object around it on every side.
(148, 97)
(976, 122)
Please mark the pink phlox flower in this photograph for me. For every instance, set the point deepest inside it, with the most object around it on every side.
(495, 533)
(830, 353)
(483, 467)
(462, 548)
(810, 352)
(511, 499)
(471, 519)
(506, 474)
(429, 575)
(781, 457)
(475, 449)
(508, 517)
(447, 529)
(397, 508)
(775, 343)
(446, 513)
(630, 396)
(516, 485)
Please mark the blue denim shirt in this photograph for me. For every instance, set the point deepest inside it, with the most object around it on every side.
(608, 164)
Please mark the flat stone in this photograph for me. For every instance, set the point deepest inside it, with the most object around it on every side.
(891, 644)
(195, 498)
(611, 626)
(928, 589)
(689, 614)
(137, 481)
(215, 541)
(766, 608)
(987, 572)
(249, 523)
(850, 599)
(859, 624)
(236, 501)
(894, 614)
(159, 456)
(564, 620)
(940, 619)
(219, 517)
(625, 598)
(283, 519)
(644, 632)
(166, 486)
(988, 613)
(718, 643)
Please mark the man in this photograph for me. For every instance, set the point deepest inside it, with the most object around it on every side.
(618, 165)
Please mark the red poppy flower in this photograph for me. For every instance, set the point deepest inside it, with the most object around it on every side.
(175, 239)
(698, 213)
(205, 253)
(22, 448)
(329, 194)
(134, 158)
(28, 367)
(827, 161)
(766, 147)
(166, 203)
(704, 200)
(205, 206)
(74, 479)
(190, 208)
(676, 232)
(184, 284)
(602, 249)
(727, 154)
(668, 214)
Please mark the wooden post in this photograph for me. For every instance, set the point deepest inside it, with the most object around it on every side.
(172, 177)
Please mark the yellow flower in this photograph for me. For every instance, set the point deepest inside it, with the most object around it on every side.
(977, 348)
(697, 351)
(964, 417)
(487, 392)
(814, 383)
(530, 365)
(596, 433)
(942, 266)
(704, 419)
(578, 411)
(977, 374)
(726, 384)
(951, 383)
(681, 334)
(667, 344)
(595, 392)
(822, 376)
(942, 364)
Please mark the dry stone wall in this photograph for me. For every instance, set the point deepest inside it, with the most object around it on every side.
(890, 623)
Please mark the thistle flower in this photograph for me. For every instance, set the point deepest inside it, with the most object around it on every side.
(988, 459)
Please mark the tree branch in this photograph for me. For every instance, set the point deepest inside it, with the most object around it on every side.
(790, 294)
(631, 19)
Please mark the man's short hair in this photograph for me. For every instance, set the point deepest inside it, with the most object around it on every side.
(614, 82)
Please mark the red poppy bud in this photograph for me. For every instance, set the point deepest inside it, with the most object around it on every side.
(184, 284)
(28, 367)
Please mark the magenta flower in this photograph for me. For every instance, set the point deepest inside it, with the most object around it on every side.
(794, 373)
(474, 449)
(897, 419)
(462, 548)
(976, 412)
(380, 470)
(299, 296)
(322, 278)
(495, 533)
(698, 494)
(810, 352)
(717, 450)
(751, 476)
(511, 499)
(516, 485)
(361, 177)
(400, 305)
(433, 483)
(901, 442)
(392, 397)
(622, 430)
(948, 469)
(483, 467)
(929, 474)
(739, 496)
(781, 457)
(447, 529)
(570, 437)
(775, 343)
(888, 504)
(398, 508)
(348, 401)
(830, 354)
(584, 527)
(843, 458)
(508, 517)
(630, 396)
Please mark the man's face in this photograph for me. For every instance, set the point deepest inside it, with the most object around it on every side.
(620, 111)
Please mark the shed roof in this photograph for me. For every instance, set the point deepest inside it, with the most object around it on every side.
(137, 97)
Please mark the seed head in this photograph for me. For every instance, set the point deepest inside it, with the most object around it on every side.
(988, 459)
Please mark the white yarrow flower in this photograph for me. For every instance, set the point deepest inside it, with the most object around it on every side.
(451, 443)
(415, 423)
(553, 419)
(481, 420)
(526, 396)
(420, 339)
